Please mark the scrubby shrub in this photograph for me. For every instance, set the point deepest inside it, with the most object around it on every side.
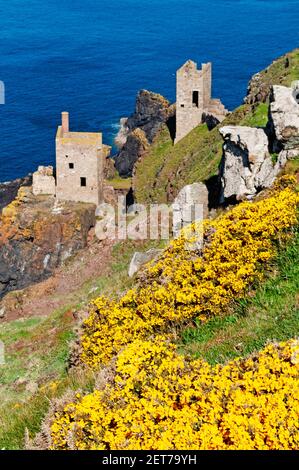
(185, 285)
(162, 400)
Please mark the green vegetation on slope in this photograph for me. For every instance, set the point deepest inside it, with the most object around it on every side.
(166, 168)
(37, 349)
(270, 313)
(282, 71)
(37, 352)
(119, 183)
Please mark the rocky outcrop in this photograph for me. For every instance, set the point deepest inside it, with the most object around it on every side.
(9, 190)
(277, 73)
(258, 91)
(214, 113)
(190, 204)
(37, 235)
(284, 119)
(151, 110)
(123, 133)
(135, 146)
(139, 259)
(246, 164)
(138, 131)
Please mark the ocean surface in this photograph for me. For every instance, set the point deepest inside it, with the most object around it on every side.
(91, 57)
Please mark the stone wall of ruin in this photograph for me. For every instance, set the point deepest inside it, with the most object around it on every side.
(87, 158)
(43, 181)
(190, 80)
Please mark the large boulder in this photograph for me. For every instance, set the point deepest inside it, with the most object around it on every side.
(190, 204)
(139, 130)
(139, 259)
(284, 118)
(246, 165)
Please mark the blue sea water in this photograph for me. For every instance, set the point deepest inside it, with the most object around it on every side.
(91, 57)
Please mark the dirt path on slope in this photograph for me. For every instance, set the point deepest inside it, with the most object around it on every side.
(65, 286)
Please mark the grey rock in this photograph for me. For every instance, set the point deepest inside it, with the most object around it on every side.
(284, 118)
(190, 204)
(123, 133)
(9, 190)
(2, 312)
(151, 112)
(141, 258)
(246, 165)
(135, 146)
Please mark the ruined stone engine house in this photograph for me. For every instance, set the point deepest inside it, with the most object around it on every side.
(80, 160)
(193, 98)
(81, 156)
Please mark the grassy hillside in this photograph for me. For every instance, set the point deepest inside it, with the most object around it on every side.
(37, 348)
(282, 71)
(241, 292)
(37, 352)
(165, 169)
(270, 313)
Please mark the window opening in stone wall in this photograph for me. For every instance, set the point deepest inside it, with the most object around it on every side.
(195, 99)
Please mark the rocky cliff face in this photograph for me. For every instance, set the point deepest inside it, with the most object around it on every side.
(36, 235)
(253, 157)
(138, 131)
(9, 190)
(284, 120)
(281, 72)
(247, 164)
(136, 145)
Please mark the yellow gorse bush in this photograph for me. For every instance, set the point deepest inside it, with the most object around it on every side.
(161, 400)
(186, 284)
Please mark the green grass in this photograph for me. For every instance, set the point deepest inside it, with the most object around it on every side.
(278, 74)
(119, 183)
(258, 117)
(37, 351)
(274, 157)
(21, 416)
(166, 168)
(269, 313)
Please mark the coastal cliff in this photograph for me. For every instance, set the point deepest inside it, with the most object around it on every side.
(139, 130)
(216, 304)
(37, 235)
(9, 190)
(164, 169)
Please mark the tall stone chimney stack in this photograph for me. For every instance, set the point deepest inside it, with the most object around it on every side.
(65, 122)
